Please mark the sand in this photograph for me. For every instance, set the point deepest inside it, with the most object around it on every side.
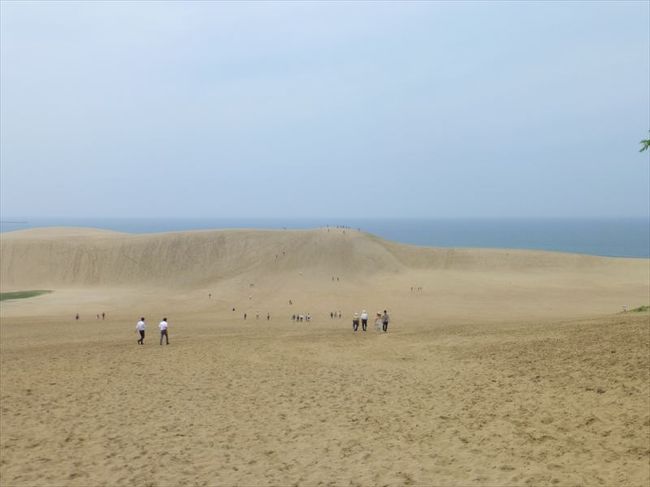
(507, 368)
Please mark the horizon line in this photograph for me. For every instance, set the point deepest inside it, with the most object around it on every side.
(26, 219)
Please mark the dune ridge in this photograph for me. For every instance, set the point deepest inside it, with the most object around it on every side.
(88, 257)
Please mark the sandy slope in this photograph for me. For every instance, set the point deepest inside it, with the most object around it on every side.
(272, 267)
(508, 368)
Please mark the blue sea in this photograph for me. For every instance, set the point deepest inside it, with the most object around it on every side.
(626, 237)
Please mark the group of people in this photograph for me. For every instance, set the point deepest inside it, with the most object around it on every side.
(381, 321)
(257, 315)
(305, 317)
(141, 326)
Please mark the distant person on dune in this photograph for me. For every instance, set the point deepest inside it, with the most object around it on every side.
(163, 331)
(140, 329)
(364, 320)
(385, 319)
(355, 322)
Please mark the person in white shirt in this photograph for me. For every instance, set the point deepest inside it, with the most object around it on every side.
(163, 331)
(140, 328)
(364, 320)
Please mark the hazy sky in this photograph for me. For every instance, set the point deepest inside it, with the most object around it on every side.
(423, 109)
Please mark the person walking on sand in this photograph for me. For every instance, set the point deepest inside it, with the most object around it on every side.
(378, 322)
(140, 329)
(364, 320)
(163, 331)
(355, 322)
(385, 319)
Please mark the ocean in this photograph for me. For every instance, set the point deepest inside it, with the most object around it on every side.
(625, 237)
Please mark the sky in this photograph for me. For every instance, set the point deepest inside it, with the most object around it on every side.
(324, 109)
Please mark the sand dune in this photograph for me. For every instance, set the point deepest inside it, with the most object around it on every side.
(177, 260)
(100, 258)
(300, 265)
(507, 368)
